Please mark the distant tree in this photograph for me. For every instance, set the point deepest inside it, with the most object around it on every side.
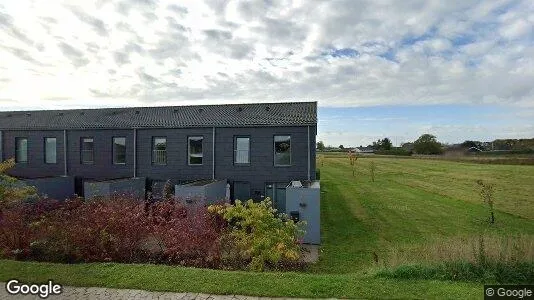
(427, 144)
(384, 144)
(341, 147)
(320, 146)
(469, 144)
(407, 146)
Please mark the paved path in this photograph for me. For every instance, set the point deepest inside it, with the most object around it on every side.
(91, 293)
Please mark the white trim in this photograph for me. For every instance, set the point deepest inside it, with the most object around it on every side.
(193, 138)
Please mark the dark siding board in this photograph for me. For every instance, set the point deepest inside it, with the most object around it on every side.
(36, 166)
(177, 167)
(260, 170)
(103, 167)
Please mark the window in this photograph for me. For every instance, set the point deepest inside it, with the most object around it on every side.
(119, 150)
(242, 150)
(87, 154)
(195, 150)
(21, 150)
(282, 150)
(159, 151)
(50, 150)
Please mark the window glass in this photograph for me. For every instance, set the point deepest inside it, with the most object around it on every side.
(242, 150)
(87, 149)
(119, 150)
(282, 150)
(21, 150)
(159, 149)
(50, 150)
(195, 150)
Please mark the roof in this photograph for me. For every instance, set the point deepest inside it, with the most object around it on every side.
(227, 115)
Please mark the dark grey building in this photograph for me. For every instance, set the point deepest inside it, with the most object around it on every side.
(258, 148)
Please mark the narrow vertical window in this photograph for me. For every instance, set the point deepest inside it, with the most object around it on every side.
(242, 150)
(159, 151)
(21, 150)
(87, 151)
(282, 150)
(119, 150)
(50, 150)
(195, 150)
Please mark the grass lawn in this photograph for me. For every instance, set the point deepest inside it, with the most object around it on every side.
(412, 201)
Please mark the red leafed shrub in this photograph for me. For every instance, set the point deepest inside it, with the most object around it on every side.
(117, 229)
(186, 236)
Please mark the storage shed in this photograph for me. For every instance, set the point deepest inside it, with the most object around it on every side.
(129, 186)
(207, 191)
(303, 202)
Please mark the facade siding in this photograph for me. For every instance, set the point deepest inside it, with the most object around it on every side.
(177, 167)
(260, 171)
(103, 167)
(261, 168)
(36, 166)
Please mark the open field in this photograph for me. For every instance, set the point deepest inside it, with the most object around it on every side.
(412, 203)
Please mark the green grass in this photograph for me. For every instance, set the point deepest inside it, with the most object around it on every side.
(412, 202)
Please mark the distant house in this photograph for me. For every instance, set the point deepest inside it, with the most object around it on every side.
(367, 149)
(257, 148)
(473, 150)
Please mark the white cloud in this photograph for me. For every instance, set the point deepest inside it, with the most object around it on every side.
(135, 52)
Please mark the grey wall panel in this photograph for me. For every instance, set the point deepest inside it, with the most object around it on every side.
(307, 202)
(36, 166)
(177, 167)
(261, 168)
(59, 188)
(103, 167)
(131, 187)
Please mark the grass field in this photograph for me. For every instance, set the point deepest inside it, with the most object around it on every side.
(412, 202)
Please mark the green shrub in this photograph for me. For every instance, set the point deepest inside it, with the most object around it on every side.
(394, 151)
(257, 236)
(318, 174)
(487, 272)
(11, 190)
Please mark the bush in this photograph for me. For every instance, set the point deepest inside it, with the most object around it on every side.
(11, 190)
(394, 151)
(318, 174)
(117, 229)
(258, 237)
(491, 272)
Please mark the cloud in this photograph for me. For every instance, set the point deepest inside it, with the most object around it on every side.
(342, 53)
(97, 24)
(7, 25)
(75, 56)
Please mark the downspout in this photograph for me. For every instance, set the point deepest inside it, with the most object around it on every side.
(309, 175)
(213, 153)
(135, 153)
(65, 147)
(1, 147)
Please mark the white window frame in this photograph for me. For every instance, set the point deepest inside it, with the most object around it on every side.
(46, 150)
(195, 138)
(274, 150)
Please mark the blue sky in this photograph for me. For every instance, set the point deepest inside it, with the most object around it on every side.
(450, 123)
(459, 69)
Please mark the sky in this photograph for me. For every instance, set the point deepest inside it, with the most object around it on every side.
(458, 69)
